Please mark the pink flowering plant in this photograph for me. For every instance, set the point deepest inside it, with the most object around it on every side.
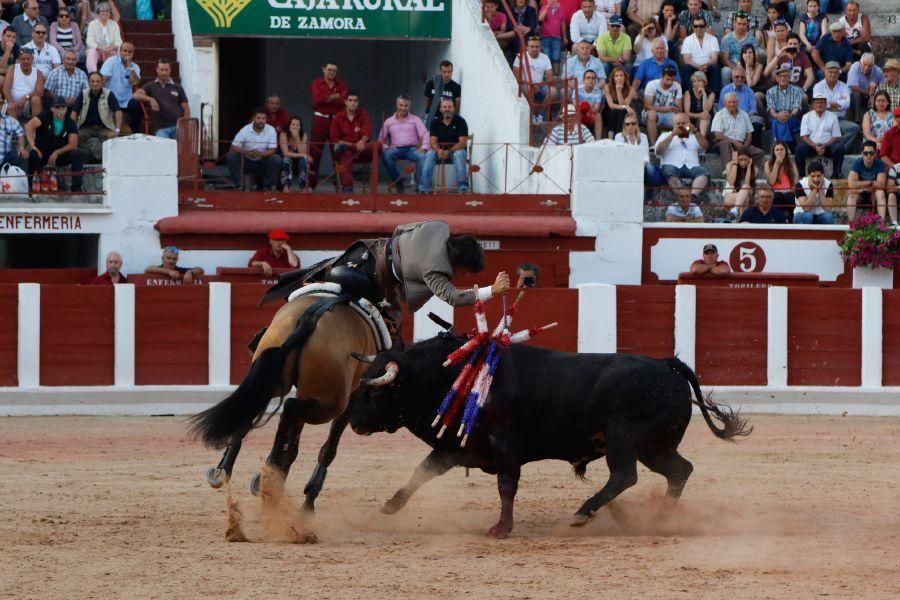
(871, 243)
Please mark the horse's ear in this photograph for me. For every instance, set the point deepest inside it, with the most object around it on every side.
(364, 358)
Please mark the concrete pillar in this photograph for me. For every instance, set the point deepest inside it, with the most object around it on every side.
(219, 333)
(29, 346)
(871, 337)
(686, 324)
(597, 318)
(777, 337)
(124, 334)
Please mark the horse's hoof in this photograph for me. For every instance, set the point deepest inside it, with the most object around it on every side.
(254, 484)
(499, 531)
(580, 520)
(216, 477)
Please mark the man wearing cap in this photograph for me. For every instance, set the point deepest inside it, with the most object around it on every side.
(614, 47)
(571, 131)
(53, 142)
(820, 135)
(277, 255)
(890, 143)
(833, 47)
(169, 267)
(863, 79)
(587, 23)
(837, 97)
(891, 83)
(784, 102)
(583, 61)
(710, 263)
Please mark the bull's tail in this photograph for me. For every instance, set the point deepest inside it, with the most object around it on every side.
(732, 424)
(244, 408)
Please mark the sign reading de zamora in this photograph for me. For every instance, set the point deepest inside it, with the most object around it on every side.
(397, 19)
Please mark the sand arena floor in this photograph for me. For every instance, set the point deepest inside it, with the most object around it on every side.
(807, 507)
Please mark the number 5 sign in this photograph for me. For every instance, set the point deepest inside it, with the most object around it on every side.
(747, 257)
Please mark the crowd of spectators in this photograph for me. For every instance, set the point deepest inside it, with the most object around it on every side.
(275, 142)
(773, 89)
(69, 82)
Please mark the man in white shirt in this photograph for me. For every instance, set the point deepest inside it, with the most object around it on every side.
(253, 153)
(46, 57)
(700, 52)
(587, 23)
(732, 129)
(820, 135)
(541, 70)
(679, 156)
(662, 99)
(837, 97)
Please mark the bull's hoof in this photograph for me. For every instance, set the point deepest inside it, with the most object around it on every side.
(216, 477)
(309, 506)
(499, 531)
(391, 507)
(255, 484)
(580, 519)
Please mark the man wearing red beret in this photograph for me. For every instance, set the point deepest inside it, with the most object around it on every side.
(277, 255)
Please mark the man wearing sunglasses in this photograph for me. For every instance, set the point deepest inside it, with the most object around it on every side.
(46, 57)
(867, 182)
(700, 52)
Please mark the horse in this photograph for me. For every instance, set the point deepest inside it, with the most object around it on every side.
(310, 345)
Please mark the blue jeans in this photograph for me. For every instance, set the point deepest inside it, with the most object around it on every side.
(166, 132)
(390, 156)
(426, 179)
(805, 218)
(552, 47)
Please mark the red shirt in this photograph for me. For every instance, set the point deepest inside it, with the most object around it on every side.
(105, 279)
(320, 91)
(279, 120)
(890, 144)
(276, 262)
(342, 128)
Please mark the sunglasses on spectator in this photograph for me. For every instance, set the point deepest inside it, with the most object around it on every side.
(61, 15)
(38, 32)
(868, 153)
(631, 122)
(741, 14)
(699, 25)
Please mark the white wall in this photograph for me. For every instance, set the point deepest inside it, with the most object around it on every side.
(187, 57)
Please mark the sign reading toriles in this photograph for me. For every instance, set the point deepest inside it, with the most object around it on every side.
(386, 19)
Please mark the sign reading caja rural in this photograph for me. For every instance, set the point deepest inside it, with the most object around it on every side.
(387, 19)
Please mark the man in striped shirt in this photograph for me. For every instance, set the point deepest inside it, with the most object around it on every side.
(570, 131)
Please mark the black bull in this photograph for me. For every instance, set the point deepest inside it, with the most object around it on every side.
(545, 405)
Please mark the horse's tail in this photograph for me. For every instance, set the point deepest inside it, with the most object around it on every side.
(238, 413)
(732, 424)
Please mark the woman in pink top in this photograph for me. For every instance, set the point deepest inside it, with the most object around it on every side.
(554, 30)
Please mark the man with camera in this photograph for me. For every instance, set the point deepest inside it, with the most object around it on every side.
(679, 156)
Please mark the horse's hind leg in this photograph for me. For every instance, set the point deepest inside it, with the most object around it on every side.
(286, 445)
(220, 474)
(326, 455)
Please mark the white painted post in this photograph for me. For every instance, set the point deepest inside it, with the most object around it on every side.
(124, 335)
(686, 324)
(597, 318)
(423, 327)
(29, 346)
(219, 333)
(871, 337)
(777, 336)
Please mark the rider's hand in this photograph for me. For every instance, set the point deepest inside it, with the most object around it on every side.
(501, 284)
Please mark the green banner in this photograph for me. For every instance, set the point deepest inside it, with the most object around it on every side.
(385, 19)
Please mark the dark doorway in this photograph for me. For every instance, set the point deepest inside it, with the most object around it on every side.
(241, 75)
(47, 251)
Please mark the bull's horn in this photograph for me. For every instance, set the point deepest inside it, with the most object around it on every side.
(365, 358)
(390, 373)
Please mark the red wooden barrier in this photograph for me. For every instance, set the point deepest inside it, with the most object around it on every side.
(751, 280)
(247, 317)
(732, 336)
(143, 279)
(646, 320)
(890, 325)
(9, 335)
(538, 307)
(77, 335)
(248, 275)
(171, 335)
(824, 336)
(78, 275)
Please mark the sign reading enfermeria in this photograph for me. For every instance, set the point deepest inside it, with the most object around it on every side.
(397, 19)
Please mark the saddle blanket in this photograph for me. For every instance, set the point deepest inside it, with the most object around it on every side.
(368, 311)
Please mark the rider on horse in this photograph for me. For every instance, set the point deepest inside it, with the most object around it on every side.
(417, 262)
